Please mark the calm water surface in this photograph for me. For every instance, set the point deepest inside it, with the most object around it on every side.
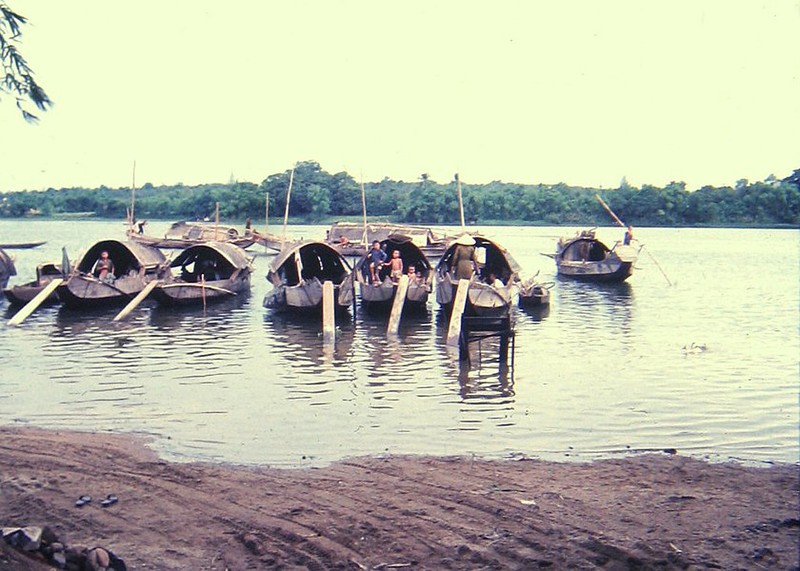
(605, 371)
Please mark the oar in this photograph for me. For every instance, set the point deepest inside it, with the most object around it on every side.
(31, 306)
(657, 265)
(136, 300)
(618, 221)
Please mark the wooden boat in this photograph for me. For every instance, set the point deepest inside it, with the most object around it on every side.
(207, 272)
(21, 245)
(135, 265)
(270, 241)
(7, 268)
(533, 293)
(483, 298)
(349, 238)
(584, 257)
(380, 297)
(23, 293)
(297, 274)
(183, 234)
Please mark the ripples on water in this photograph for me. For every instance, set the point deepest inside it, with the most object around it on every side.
(708, 366)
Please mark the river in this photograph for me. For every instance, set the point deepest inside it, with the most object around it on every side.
(707, 366)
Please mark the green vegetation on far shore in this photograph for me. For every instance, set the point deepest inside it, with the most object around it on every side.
(321, 197)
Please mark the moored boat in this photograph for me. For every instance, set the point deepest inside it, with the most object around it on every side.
(297, 275)
(354, 239)
(378, 295)
(206, 272)
(23, 293)
(7, 268)
(533, 293)
(21, 245)
(184, 234)
(492, 272)
(133, 267)
(585, 257)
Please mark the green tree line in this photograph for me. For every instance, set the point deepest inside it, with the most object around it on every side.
(319, 196)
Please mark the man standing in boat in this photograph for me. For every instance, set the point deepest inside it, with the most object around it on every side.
(465, 258)
(628, 235)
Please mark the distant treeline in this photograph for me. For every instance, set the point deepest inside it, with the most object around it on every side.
(318, 196)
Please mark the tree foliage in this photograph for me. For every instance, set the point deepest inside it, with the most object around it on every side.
(320, 196)
(16, 77)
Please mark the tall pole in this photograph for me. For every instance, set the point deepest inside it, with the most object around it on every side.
(133, 195)
(266, 223)
(286, 213)
(364, 211)
(460, 202)
(216, 221)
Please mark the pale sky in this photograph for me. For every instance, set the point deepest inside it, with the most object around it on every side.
(577, 91)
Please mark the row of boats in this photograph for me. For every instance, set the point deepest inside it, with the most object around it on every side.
(208, 270)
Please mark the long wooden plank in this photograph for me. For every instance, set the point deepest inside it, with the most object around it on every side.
(136, 300)
(328, 317)
(459, 304)
(31, 306)
(397, 305)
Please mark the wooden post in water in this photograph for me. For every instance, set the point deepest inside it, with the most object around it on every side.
(397, 305)
(136, 300)
(328, 317)
(31, 306)
(459, 303)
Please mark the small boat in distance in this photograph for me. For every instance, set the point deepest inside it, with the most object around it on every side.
(584, 257)
(494, 284)
(23, 293)
(183, 234)
(379, 296)
(207, 272)
(21, 245)
(534, 294)
(297, 275)
(134, 266)
(7, 268)
(350, 239)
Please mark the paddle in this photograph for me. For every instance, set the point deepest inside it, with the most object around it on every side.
(31, 306)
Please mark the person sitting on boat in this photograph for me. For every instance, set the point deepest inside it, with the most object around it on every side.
(103, 268)
(377, 257)
(396, 266)
(465, 257)
(344, 243)
(628, 235)
(413, 274)
(494, 281)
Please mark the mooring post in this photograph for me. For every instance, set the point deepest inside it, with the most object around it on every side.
(328, 317)
(397, 305)
(459, 303)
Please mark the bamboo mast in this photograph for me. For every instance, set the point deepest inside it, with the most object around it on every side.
(460, 202)
(286, 212)
(133, 196)
(364, 212)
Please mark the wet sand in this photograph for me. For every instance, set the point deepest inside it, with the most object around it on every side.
(656, 511)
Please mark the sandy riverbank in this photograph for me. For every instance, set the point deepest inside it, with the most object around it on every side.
(653, 511)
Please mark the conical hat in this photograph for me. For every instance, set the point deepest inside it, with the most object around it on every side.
(465, 240)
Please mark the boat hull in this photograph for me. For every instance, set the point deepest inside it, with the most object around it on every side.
(609, 271)
(177, 293)
(83, 291)
(305, 298)
(483, 299)
(23, 293)
(380, 298)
